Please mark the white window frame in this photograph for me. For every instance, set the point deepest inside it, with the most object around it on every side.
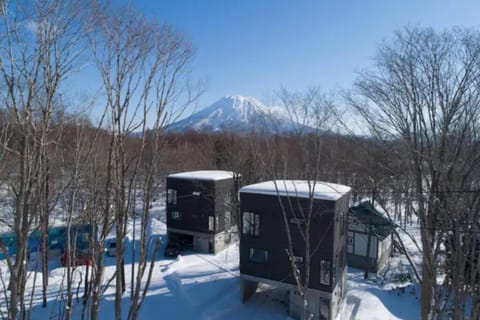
(325, 272)
(250, 224)
(211, 221)
(176, 215)
(172, 196)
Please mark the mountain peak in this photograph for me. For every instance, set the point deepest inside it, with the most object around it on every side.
(236, 113)
(237, 98)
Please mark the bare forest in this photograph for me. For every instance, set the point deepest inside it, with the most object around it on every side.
(419, 104)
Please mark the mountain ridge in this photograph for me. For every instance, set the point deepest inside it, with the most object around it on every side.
(237, 113)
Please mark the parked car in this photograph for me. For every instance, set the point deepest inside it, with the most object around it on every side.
(79, 260)
(172, 250)
(112, 249)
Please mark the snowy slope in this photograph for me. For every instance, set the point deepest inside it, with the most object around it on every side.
(237, 114)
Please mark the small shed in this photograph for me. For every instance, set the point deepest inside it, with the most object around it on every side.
(359, 219)
(201, 209)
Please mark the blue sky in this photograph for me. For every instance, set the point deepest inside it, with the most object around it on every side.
(252, 47)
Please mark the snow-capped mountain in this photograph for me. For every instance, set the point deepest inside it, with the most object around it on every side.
(236, 114)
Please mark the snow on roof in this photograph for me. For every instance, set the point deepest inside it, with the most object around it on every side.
(365, 213)
(298, 188)
(211, 175)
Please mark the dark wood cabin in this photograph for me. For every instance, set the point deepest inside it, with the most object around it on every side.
(264, 257)
(201, 209)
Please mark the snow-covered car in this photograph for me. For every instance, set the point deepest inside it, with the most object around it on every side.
(112, 249)
(172, 250)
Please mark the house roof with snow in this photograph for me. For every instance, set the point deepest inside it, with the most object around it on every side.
(382, 227)
(210, 175)
(298, 188)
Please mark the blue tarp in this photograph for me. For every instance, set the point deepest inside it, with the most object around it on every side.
(57, 239)
(9, 239)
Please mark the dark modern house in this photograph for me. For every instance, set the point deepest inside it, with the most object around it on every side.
(266, 208)
(359, 219)
(201, 209)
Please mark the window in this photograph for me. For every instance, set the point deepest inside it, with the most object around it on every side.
(258, 255)
(228, 220)
(172, 196)
(176, 215)
(297, 259)
(217, 223)
(228, 200)
(325, 270)
(350, 248)
(342, 223)
(251, 224)
(297, 221)
(210, 223)
(196, 193)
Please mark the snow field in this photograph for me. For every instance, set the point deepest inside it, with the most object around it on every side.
(205, 286)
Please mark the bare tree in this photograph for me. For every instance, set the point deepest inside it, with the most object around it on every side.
(143, 68)
(39, 46)
(78, 146)
(312, 114)
(423, 94)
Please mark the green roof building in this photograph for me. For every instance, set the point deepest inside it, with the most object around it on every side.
(359, 219)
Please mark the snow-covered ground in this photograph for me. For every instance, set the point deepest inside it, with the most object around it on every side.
(205, 286)
(380, 299)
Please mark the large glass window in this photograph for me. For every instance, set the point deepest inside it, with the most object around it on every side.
(172, 196)
(325, 270)
(258, 255)
(250, 224)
